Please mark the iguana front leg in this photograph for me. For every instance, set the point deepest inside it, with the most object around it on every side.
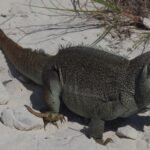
(52, 90)
(96, 129)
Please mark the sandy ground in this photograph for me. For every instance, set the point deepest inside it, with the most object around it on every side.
(18, 19)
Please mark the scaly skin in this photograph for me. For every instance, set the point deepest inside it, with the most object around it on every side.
(24, 60)
(94, 84)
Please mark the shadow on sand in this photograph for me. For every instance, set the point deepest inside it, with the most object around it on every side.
(137, 122)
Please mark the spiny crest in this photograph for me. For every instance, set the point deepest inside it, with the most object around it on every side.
(62, 47)
(40, 51)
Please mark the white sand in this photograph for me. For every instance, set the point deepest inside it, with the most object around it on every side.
(23, 19)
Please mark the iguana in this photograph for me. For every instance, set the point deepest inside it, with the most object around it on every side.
(92, 83)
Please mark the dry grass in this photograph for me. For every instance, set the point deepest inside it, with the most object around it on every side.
(136, 10)
(135, 7)
(113, 15)
(119, 14)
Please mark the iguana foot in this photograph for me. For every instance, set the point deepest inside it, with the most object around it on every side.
(104, 142)
(47, 116)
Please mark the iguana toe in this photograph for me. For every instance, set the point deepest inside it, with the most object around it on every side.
(104, 142)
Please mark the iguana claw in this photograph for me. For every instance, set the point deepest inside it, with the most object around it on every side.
(104, 142)
(47, 116)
